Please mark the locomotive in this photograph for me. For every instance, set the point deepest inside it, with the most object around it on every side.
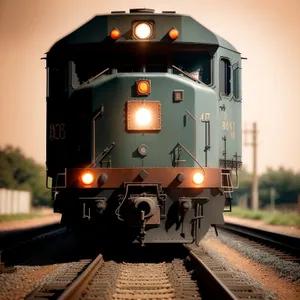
(143, 127)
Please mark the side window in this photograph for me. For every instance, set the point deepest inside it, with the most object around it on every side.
(225, 77)
(237, 83)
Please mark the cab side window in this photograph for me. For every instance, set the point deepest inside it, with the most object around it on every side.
(237, 83)
(225, 77)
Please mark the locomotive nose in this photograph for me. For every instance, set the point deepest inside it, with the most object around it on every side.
(146, 204)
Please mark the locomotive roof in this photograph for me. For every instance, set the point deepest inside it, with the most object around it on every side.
(97, 29)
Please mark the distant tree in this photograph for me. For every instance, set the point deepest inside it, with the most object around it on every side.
(286, 183)
(245, 179)
(22, 173)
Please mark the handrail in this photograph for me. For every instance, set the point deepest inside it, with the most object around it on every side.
(195, 131)
(191, 155)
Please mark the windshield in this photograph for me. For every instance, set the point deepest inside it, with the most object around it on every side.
(197, 64)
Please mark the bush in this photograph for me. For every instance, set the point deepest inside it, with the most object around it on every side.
(19, 172)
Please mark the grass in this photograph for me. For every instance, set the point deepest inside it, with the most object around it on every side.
(6, 218)
(273, 218)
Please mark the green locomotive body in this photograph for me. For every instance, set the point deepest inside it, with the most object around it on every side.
(143, 126)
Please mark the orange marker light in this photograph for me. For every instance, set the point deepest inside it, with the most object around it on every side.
(115, 34)
(143, 87)
(173, 33)
(87, 178)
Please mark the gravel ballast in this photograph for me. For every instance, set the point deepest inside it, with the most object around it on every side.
(19, 284)
(262, 275)
(286, 269)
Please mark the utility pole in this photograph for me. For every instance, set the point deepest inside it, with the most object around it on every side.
(254, 198)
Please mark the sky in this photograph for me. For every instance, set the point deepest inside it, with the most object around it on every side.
(266, 32)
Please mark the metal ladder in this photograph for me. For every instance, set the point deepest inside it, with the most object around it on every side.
(226, 183)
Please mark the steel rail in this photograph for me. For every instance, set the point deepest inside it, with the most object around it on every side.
(75, 289)
(217, 290)
(281, 241)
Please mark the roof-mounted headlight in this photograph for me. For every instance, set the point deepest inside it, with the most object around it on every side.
(142, 30)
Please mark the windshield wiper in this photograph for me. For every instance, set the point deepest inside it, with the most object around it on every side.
(187, 74)
(98, 75)
(91, 79)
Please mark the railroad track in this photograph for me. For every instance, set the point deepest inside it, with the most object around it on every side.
(193, 276)
(11, 237)
(18, 243)
(284, 246)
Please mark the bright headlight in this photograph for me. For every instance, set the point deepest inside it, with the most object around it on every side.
(143, 31)
(143, 116)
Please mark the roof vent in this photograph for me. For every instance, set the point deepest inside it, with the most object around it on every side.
(169, 12)
(118, 12)
(142, 10)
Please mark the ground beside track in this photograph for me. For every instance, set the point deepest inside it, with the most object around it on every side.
(269, 279)
(47, 217)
